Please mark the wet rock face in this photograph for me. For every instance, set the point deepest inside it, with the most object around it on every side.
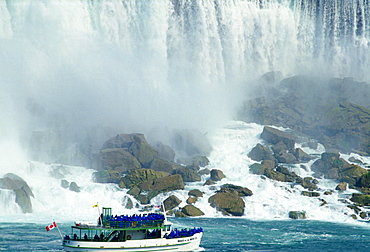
(275, 136)
(326, 110)
(229, 204)
(297, 215)
(23, 193)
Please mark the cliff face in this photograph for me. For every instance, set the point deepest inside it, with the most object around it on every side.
(334, 112)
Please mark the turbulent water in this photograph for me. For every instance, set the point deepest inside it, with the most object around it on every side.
(74, 73)
(235, 235)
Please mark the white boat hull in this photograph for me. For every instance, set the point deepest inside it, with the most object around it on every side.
(160, 244)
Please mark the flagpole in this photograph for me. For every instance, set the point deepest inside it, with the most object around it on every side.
(58, 230)
(101, 220)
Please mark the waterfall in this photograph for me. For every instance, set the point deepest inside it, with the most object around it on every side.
(78, 72)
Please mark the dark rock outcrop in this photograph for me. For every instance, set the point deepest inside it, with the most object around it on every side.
(335, 112)
(171, 202)
(196, 193)
(190, 210)
(23, 193)
(275, 136)
(74, 187)
(107, 176)
(217, 175)
(117, 159)
(298, 215)
(187, 174)
(228, 203)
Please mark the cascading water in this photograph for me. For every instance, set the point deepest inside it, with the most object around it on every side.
(77, 72)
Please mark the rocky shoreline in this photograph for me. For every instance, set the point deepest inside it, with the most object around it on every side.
(314, 113)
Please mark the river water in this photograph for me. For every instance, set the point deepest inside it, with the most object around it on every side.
(220, 234)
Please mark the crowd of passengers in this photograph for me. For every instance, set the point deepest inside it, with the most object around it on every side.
(184, 232)
(137, 219)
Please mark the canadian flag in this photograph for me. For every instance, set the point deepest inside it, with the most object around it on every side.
(51, 226)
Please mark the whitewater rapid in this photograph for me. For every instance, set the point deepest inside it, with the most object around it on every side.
(231, 145)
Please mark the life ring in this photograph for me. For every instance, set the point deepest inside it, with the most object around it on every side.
(134, 224)
(128, 237)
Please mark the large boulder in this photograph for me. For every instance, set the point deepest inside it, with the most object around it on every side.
(171, 202)
(331, 166)
(168, 183)
(117, 159)
(23, 193)
(190, 210)
(107, 176)
(360, 199)
(159, 164)
(217, 175)
(297, 215)
(187, 174)
(238, 190)
(140, 176)
(144, 152)
(260, 152)
(196, 193)
(340, 120)
(164, 151)
(136, 145)
(228, 203)
(274, 136)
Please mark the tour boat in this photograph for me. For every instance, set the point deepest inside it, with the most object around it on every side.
(141, 232)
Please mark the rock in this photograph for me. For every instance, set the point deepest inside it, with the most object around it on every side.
(164, 151)
(309, 183)
(286, 158)
(180, 214)
(23, 193)
(279, 148)
(274, 136)
(171, 202)
(364, 181)
(259, 152)
(168, 183)
(187, 174)
(341, 120)
(360, 199)
(217, 175)
(310, 194)
(143, 199)
(192, 200)
(107, 176)
(302, 156)
(136, 145)
(209, 182)
(258, 169)
(190, 210)
(23, 200)
(159, 164)
(204, 171)
(137, 177)
(64, 183)
(129, 203)
(195, 161)
(341, 186)
(74, 187)
(144, 152)
(238, 190)
(134, 191)
(196, 193)
(115, 159)
(227, 203)
(297, 215)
